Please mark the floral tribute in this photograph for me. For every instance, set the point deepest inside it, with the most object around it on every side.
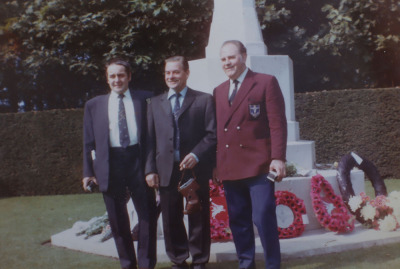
(381, 213)
(219, 220)
(296, 205)
(329, 208)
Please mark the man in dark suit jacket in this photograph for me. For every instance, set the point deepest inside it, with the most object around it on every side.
(181, 137)
(251, 135)
(113, 151)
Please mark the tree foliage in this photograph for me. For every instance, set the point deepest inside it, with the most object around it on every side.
(52, 51)
(367, 33)
(65, 43)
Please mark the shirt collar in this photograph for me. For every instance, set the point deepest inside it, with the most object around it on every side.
(172, 92)
(242, 76)
(127, 94)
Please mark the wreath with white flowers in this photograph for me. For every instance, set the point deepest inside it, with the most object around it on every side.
(381, 213)
(289, 211)
(367, 211)
(329, 208)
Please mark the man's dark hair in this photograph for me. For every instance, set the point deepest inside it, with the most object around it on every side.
(238, 44)
(119, 61)
(180, 59)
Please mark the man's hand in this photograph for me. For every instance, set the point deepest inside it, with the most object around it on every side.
(86, 181)
(188, 162)
(279, 167)
(215, 180)
(153, 180)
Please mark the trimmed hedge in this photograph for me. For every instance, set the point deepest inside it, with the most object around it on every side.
(365, 121)
(41, 152)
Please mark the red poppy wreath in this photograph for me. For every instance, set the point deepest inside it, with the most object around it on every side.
(219, 220)
(289, 212)
(329, 208)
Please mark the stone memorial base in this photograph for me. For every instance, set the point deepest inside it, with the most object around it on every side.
(310, 243)
(314, 241)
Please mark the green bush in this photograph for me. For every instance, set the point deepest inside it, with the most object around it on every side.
(365, 121)
(41, 152)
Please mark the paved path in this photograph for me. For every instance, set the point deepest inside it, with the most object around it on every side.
(314, 242)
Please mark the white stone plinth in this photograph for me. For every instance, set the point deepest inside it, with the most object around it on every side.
(235, 19)
(301, 153)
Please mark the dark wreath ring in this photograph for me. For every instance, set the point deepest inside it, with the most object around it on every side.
(346, 164)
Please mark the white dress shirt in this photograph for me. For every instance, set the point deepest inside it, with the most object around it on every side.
(113, 107)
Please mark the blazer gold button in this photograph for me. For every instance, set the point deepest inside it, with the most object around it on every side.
(227, 146)
(226, 129)
(241, 145)
(238, 127)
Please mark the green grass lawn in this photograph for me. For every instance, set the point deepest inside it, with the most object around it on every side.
(27, 223)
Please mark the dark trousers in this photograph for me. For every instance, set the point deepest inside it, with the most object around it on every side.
(127, 180)
(177, 243)
(253, 200)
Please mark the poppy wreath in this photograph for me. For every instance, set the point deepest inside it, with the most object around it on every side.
(219, 220)
(329, 208)
(346, 164)
(298, 208)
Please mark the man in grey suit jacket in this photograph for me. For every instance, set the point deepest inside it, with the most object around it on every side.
(113, 145)
(181, 136)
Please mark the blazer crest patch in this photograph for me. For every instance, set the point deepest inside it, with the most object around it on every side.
(254, 110)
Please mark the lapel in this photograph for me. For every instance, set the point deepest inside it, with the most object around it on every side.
(166, 107)
(103, 114)
(223, 100)
(137, 106)
(187, 102)
(247, 84)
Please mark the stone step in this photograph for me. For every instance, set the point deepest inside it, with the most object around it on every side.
(310, 243)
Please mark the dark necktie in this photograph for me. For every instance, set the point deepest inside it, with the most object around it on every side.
(122, 124)
(177, 105)
(236, 82)
(175, 111)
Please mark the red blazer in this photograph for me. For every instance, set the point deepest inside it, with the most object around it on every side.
(252, 131)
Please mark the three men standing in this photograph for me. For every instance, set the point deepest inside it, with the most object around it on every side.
(181, 138)
(251, 134)
(113, 149)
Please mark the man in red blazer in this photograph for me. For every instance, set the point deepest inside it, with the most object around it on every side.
(251, 142)
(113, 159)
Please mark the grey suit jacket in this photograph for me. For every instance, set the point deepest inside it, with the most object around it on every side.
(197, 125)
(96, 133)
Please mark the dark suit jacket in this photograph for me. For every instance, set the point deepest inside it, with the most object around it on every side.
(252, 131)
(197, 134)
(96, 134)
